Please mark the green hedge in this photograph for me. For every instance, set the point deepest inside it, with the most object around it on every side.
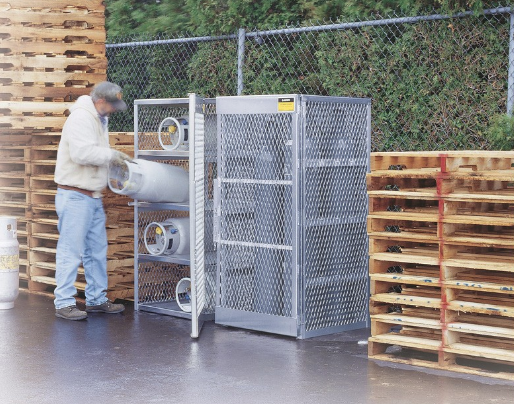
(434, 85)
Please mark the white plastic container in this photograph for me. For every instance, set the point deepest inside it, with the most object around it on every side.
(170, 237)
(9, 262)
(149, 181)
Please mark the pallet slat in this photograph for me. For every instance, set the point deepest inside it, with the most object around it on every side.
(44, 16)
(21, 32)
(55, 5)
(52, 48)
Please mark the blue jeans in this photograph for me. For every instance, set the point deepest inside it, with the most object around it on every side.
(82, 238)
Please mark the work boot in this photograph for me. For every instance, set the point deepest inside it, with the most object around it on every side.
(70, 313)
(107, 307)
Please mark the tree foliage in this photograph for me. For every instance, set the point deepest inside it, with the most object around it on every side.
(434, 84)
(145, 17)
(202, 17)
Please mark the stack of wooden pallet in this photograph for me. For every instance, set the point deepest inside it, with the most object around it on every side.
(15, 193)
(44, 235)
(441, 229)
(52, 52)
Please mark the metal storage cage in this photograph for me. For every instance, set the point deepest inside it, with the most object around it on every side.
(157, 276)
(290, 213)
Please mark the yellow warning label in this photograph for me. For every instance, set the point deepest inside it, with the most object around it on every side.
(158, 230)
(9, 262)
(286, 104)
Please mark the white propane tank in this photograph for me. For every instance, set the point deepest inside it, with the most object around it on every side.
(170, 237)
(183, 294)
(150, 181)
(9, 262)
(177, 130)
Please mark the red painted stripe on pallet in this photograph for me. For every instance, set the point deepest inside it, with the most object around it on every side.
(443, 158)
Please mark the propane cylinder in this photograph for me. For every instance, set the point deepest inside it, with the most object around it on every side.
(170, 237)
(9, 262)
(150, 181)
(183, 294)
(177, 129)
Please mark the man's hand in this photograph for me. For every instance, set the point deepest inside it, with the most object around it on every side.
(119, 157)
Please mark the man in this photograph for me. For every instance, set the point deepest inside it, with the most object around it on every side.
(81, 173)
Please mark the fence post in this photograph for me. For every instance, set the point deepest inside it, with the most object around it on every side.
(510, 88)
(240, 60)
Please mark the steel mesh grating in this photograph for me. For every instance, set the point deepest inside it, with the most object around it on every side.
(256, 230)
(335, 240)
(256, 280)
(210, 154)
(157, 281)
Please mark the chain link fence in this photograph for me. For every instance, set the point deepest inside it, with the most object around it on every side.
(436, 82)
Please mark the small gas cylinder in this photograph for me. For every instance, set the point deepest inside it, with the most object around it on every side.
(170, 237)
(9, 262)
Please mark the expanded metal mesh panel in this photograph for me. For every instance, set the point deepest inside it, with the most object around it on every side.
(335, 206)
(256, 230)
(199, 209)
(256, 279)
(150, 118)
(208, 110)
(249, 151)
(211, 130)
(157, 281)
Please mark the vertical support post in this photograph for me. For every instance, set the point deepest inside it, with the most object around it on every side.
(240, 59)
(368, 170)
(510, 90)
(136, 215)
(195, 331)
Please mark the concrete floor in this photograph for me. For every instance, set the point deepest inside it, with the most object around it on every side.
(138, 357)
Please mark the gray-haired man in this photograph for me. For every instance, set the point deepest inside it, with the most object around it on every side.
(81, 173)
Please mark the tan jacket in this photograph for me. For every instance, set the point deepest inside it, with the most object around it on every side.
(84, 153)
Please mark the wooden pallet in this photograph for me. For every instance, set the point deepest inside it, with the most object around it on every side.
(60, 5)
(426, 341)
(117, 289)
(51, 56)
(32, 122)
(123, 139)
(45, 138)
(462, 358)
(45, 18)
(120, 261)
(11, 138)
(14, 168)
(15, 181)
(14, 153)
(19, 212)
(441, 229)
(52, 52)
(49, 34)
(443, 161)
(19, 196)
(45, 91)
